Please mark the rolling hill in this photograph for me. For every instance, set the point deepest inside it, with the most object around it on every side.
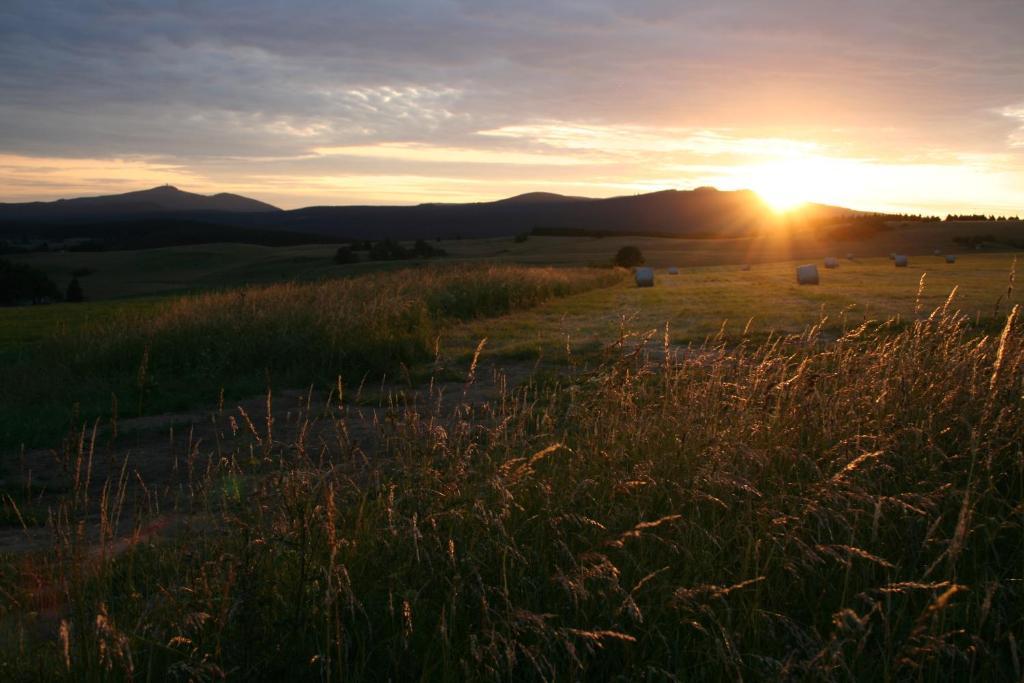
(157, 200)
(704, 212)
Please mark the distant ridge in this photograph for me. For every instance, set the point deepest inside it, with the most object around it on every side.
(540, 198)
(703, 212)
(162, 199)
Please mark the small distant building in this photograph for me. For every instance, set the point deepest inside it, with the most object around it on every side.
(807, 275)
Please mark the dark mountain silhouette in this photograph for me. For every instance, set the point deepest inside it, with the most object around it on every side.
(697, 213)
(158, 200)
(704, 212)
(541, 198)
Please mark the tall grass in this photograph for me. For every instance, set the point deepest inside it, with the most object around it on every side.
(786, 509)
(248, 339)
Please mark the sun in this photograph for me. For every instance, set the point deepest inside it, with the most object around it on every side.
(780, 198)
(784, 185)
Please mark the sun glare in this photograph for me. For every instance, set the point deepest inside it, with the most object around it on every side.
(788, 184)
(780, 198)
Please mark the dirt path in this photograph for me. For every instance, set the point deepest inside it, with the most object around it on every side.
(150, 463)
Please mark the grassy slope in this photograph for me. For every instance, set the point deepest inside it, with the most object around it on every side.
(788, 510)
(146, 357)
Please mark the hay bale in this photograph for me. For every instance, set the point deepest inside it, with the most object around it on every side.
(937, 252)
(831, 262)
(745, 266)
(644, 277)
(807, 275)
(950, 258)
(900, 260)
(849, 256)
(673, 271)
(892, 257)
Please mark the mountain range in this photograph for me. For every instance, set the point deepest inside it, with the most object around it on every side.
(703, 212)
(164, 199)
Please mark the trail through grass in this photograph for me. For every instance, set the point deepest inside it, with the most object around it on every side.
(175, 354)
(784, 508)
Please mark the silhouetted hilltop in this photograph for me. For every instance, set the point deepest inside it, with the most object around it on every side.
(158, 200)
(695, 213)
(704, 212)
(541, 198)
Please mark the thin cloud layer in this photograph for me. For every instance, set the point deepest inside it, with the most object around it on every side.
(326, 102)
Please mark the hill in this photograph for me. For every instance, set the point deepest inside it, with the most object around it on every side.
(157, 200)
(704, 212)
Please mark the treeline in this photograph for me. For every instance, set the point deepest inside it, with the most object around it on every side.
(142, 234)
(986, 238)
(979, 217)
(23, 284)
(386, 250)
(554, 231)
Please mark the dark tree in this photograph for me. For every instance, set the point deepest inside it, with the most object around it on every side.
(74, 294)
(422, 249)
(386, 250)
(21, 283)
(629, 257)
(345, 255)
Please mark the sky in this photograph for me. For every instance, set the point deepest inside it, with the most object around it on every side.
(892, 105)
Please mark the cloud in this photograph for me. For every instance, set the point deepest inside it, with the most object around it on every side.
(238, 90)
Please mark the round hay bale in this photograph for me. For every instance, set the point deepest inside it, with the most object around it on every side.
(937, 252)
(849, 256)
(807, 274)
(745, 266)
(950, 258)
(673, 271)
(644, 277)
(892, 257)
(831, 262)
(901, 260)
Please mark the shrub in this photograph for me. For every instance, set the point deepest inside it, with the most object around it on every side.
(345, 255)
(386, 250)
(629, 257)
(424, 250)
(22, 283)
(74, 292)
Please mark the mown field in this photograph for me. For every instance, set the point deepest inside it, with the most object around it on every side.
(558, 476)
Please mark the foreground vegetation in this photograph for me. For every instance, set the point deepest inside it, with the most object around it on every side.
(185, 351)
(785, 508)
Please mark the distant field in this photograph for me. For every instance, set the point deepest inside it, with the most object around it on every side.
(703, 301)
(179, 269)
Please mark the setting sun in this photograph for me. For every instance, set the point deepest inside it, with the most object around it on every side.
(781, 198)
